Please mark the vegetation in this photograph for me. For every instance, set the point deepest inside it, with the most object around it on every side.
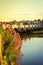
(9, 57)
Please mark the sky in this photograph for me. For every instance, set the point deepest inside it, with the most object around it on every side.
(21, 10)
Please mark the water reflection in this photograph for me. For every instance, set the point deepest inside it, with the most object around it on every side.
(32, 50)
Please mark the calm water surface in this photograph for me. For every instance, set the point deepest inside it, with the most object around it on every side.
(32, 50)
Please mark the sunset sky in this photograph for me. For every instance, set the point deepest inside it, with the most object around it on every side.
(21, 9)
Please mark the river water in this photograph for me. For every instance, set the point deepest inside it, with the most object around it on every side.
(32, 50)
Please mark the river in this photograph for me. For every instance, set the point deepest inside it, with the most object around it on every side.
(32, 50)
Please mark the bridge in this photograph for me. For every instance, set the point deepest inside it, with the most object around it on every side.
(23, 27)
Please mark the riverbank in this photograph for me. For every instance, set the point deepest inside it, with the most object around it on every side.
(33, 34)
